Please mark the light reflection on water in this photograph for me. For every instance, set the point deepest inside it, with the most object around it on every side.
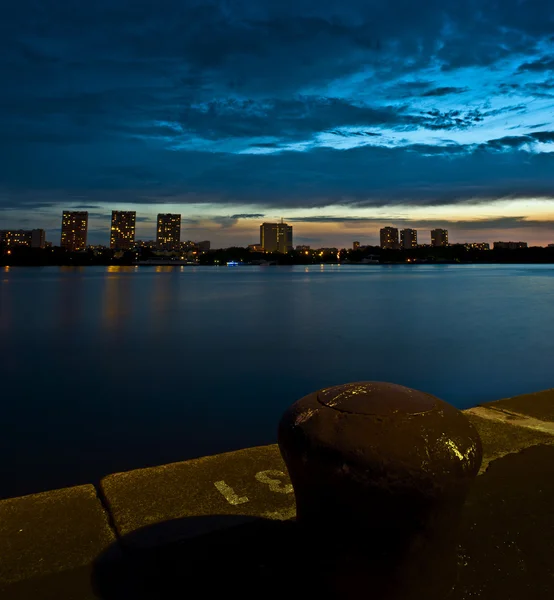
(107, 369)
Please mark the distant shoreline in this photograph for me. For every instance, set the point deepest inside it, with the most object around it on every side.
(243, 265)
(455, 254)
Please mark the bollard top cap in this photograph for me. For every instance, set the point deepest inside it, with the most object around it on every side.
(376, 398)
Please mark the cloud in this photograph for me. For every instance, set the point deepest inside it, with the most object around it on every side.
(85, 207)
(543, 136)
(332, 219)
(419, 175)
(445, 91)
(517, 222)
(518, 142)
(545, 63)
(248, 216)
(503, 223)
(225, 222)
(347, 133)
(274, 105)
(265, 145)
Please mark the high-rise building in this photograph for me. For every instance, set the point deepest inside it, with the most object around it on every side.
(74, 230)
(122, 235)
(38, 238)
(439, 237)
(408, 238)
(168, 233)
(355, 245)
(276, 237)
(32, 238)
(203, 246)
(389, 237)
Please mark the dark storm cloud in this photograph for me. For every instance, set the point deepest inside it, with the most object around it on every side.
(225, 222)
(248, 216)
(546, 63)
(462, 225)
(517, 142)
(289, 119)
(503, 223)
(347, 134)
(266, 145)
(445, 91)
(100, 215)
(363, 176)
(407, 89)
(543, 136)
(541, 89)
(325, 219)
(434, 119)
(124, 101)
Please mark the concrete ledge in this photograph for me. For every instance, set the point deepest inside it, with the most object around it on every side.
(501, 438)
(51, 532)
(504, 431)
(49, 541)
(198, 496)
(539, 405)
(508, 530)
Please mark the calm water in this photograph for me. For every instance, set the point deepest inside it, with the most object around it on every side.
(108, 369)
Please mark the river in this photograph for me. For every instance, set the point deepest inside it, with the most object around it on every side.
(105, 369)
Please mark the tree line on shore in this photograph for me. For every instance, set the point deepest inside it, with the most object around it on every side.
(455, 253)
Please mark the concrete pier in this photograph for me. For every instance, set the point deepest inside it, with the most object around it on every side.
(223, 525)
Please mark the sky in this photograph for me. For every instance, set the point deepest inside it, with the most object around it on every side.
(340, 117)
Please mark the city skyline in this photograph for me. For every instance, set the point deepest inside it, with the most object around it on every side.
(277, 236)
(341, 118)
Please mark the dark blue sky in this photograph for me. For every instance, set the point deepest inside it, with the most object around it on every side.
(339, 116)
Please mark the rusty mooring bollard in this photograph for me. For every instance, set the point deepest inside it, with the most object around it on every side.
(380, 474)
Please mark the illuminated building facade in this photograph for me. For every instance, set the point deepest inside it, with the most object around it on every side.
(32, 238)
(477, 246)
(168, 232)
(74, 230)
(149, 244)
(276, 237)
(122, 234)
(509, 245)
(439, 237)
(389, 238)
(408, 238)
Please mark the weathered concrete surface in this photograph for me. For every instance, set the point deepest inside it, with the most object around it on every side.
(65, 585)
(506, 552)
(51, 532)
(501, 438)
(539, 405)
(508, 539)
(228, 488)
